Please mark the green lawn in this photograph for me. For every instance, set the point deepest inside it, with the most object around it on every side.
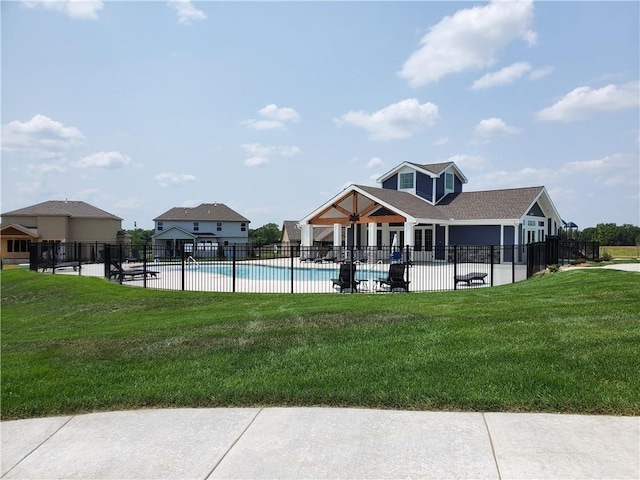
(564, 342)
(631, 252)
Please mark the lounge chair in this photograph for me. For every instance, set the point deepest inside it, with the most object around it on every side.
(470, 277)
(117, 272)
(346, 278)
(49, 264)
(329, 257)
(396, 257)
(395, 278)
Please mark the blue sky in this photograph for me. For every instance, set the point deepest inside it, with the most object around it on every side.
(274, 107)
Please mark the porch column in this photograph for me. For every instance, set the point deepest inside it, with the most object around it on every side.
(337, 235)
(372, 237)
(306, 235)
(409, 237)
(446, 235)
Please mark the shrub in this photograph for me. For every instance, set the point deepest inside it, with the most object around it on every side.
(606, 257)
(553, 268)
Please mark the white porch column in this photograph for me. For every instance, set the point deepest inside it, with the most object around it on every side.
(372, 237)
(446, 235)
(337, 235)
(306, 235)
(409, 237)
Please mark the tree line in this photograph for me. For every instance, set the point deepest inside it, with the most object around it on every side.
(609, 234)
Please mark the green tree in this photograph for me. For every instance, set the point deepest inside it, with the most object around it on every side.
(140, 236)
(269, 233)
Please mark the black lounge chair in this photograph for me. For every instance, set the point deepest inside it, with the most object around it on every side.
(395, 278)
(346, 278)
(470, 277)
(117, 272)
(329, 257)
(49, 264)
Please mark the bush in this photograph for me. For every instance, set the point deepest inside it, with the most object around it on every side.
(553, 268)
(606, 257)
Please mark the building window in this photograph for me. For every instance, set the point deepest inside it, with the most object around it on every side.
(160, 226)
(196, 226)
(17, 246)
(243, 227)
(405, 181)
(219, 226)
(428, 240)
(418, 241)
(448, 182)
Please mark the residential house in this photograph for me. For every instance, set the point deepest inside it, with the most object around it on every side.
(201, 230)
(425, 207)
(56, 221)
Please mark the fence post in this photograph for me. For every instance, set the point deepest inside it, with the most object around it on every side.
(233, 268)
(492, 252)
(513, 263)
(183, 266)
(455, 266)
(79, 257)
(144, 265)
(291, 249)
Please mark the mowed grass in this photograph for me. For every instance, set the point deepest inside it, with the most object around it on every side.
(564, 342)
(626, 252)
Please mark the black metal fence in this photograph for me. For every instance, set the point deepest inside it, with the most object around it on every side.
(243, 268)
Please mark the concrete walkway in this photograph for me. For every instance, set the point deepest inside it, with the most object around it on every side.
(298, 443)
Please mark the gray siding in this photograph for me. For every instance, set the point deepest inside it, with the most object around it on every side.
(474, 235)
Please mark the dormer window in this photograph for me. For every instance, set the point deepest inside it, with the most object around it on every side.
(405, 181)
(448, 183)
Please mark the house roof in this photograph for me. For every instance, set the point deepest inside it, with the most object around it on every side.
(405, 202)
(489, 204)
(430, 169)
(62, 208)
(216, 212)
(17, 229)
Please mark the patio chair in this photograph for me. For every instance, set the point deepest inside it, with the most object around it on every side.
(346, 278)
(396, 257)
(395, 278)
(329, 257)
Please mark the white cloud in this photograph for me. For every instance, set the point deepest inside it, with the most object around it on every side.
(504, 76)
(468, 162)
(47, 168)
(585, 102)
(470, 38)
(493, 126)
(39, 137)
(540, 73)
(187, 13)
(256, 161)
(374, 162)
(611, 170)
(75, 9)
(130, 203)
(398, 120)
(103, 160)
(275, 118)
(284, 114)
(260, 150)
(166, 179)
(441, 141)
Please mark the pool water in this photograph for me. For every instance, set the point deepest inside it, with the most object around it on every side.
(268, 272)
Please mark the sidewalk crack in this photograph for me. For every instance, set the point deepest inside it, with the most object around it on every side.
(234, 443)
(493, 450)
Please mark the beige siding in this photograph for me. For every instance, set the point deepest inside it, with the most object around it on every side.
(53, 228)
(93, 230)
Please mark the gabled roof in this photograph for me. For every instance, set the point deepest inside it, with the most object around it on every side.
(205, 212)
(431, 169)
(62, 208)
(17, 229)
(404, 202)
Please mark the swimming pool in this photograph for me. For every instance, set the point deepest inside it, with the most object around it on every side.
(270, 272)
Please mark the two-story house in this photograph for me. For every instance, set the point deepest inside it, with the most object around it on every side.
(57, 222)
(199, 230)
(424, 206)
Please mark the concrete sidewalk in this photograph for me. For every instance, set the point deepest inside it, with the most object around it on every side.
(332, 443)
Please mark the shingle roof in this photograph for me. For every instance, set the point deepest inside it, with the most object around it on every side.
(405, 202)
(435, 168)
(65, 208)
(203, 212)
(490, 204)
(295, 234)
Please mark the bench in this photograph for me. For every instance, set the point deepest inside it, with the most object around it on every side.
(470, 277)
